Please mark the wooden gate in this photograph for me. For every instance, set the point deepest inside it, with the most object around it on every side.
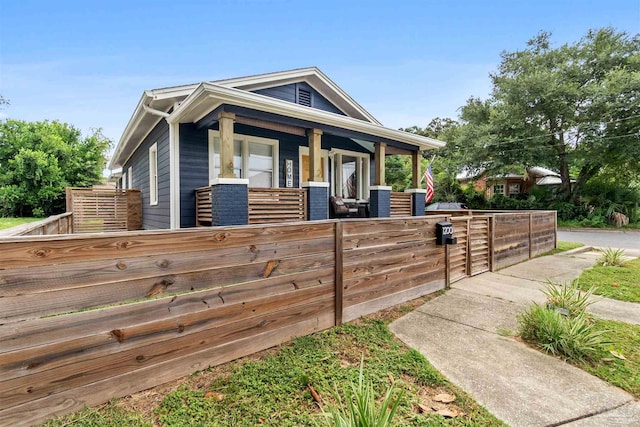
(458, 253)
(479, 247)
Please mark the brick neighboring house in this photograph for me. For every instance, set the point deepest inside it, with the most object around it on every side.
(510, 184)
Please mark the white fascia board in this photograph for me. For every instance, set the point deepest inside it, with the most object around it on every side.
(133, 123)
(209, 92)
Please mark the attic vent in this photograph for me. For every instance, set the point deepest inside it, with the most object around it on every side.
(304, 97)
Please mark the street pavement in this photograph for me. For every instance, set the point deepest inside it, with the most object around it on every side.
(627, 239)
(467, 335)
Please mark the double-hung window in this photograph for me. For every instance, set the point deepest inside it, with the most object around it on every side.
(254, 158)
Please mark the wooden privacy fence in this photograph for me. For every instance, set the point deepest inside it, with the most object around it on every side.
(518, 236)
(97, 210)
(90, 317)
(400, 204)
(179, 301)
(55, 224)
(203, 206)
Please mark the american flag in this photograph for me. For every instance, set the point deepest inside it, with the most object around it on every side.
(428, 175)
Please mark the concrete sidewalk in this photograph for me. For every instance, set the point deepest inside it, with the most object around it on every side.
(459, 334)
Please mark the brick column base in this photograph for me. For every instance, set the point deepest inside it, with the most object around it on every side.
(380, 201)
(417, 201)
(317, 200)
(230, 202)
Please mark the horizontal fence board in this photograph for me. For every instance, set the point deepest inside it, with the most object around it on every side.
(371, 306)
(46, 250)
(83, 370)
(121, 385)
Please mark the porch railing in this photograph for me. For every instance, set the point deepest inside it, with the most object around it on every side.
(203, 206)
(266, 205)
(400, 204)
(271, 205)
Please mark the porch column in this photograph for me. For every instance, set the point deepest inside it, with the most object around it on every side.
(226, 121)
(379, 157)
(417, 193)
(317, 190)
(229, 194)
(315, 156)
(415, 169)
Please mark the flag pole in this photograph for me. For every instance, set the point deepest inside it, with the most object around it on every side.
(430, 163)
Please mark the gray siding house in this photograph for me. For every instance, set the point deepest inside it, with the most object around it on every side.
(289, 129)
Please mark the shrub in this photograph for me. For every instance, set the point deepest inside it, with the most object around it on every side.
(360, 408)
(562, 327)
(568, 297)
(611, 258)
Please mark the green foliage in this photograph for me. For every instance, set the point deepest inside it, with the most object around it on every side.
(103, 416)
(611, 257)
(562, 326)
(360, 407)
(573, 107)
(569, 297)
(273, 390)
(39, 159)
(621, 283)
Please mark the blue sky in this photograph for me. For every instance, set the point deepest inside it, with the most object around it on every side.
(406, 62)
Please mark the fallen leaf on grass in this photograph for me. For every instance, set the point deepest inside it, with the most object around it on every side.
(391, 379)
(618, 355)
(214, 395)
(444, 398)
(424, 408)
(447, 413)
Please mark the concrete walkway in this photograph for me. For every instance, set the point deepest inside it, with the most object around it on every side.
(464, 334)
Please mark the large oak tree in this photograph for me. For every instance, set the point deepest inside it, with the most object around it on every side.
(573, 108)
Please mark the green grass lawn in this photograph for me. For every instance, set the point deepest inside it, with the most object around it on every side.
(621, 283)
(624, 373)
(272, 388)
(586, 224)
(563, 247)
(12, 222)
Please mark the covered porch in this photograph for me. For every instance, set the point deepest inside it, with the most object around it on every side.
(276, 161)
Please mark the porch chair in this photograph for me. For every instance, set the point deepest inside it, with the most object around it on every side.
(339, 209)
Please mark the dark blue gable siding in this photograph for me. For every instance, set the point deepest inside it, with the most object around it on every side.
(157, 216)
(289, 93)
(194, 169)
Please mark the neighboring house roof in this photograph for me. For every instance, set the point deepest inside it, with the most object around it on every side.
(190, 103)
(550, 180)
(540, 171)
(469, 174)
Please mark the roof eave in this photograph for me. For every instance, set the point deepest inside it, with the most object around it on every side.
(191, 109)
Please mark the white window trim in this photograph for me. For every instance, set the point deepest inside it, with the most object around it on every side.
(245, 155)
(130, 178)
(153, 175)
(304, 151)
(123, 181)
(493, 188)
(364, 161)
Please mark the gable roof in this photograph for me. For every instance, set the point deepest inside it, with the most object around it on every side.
(154, 105)
(310, 75)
